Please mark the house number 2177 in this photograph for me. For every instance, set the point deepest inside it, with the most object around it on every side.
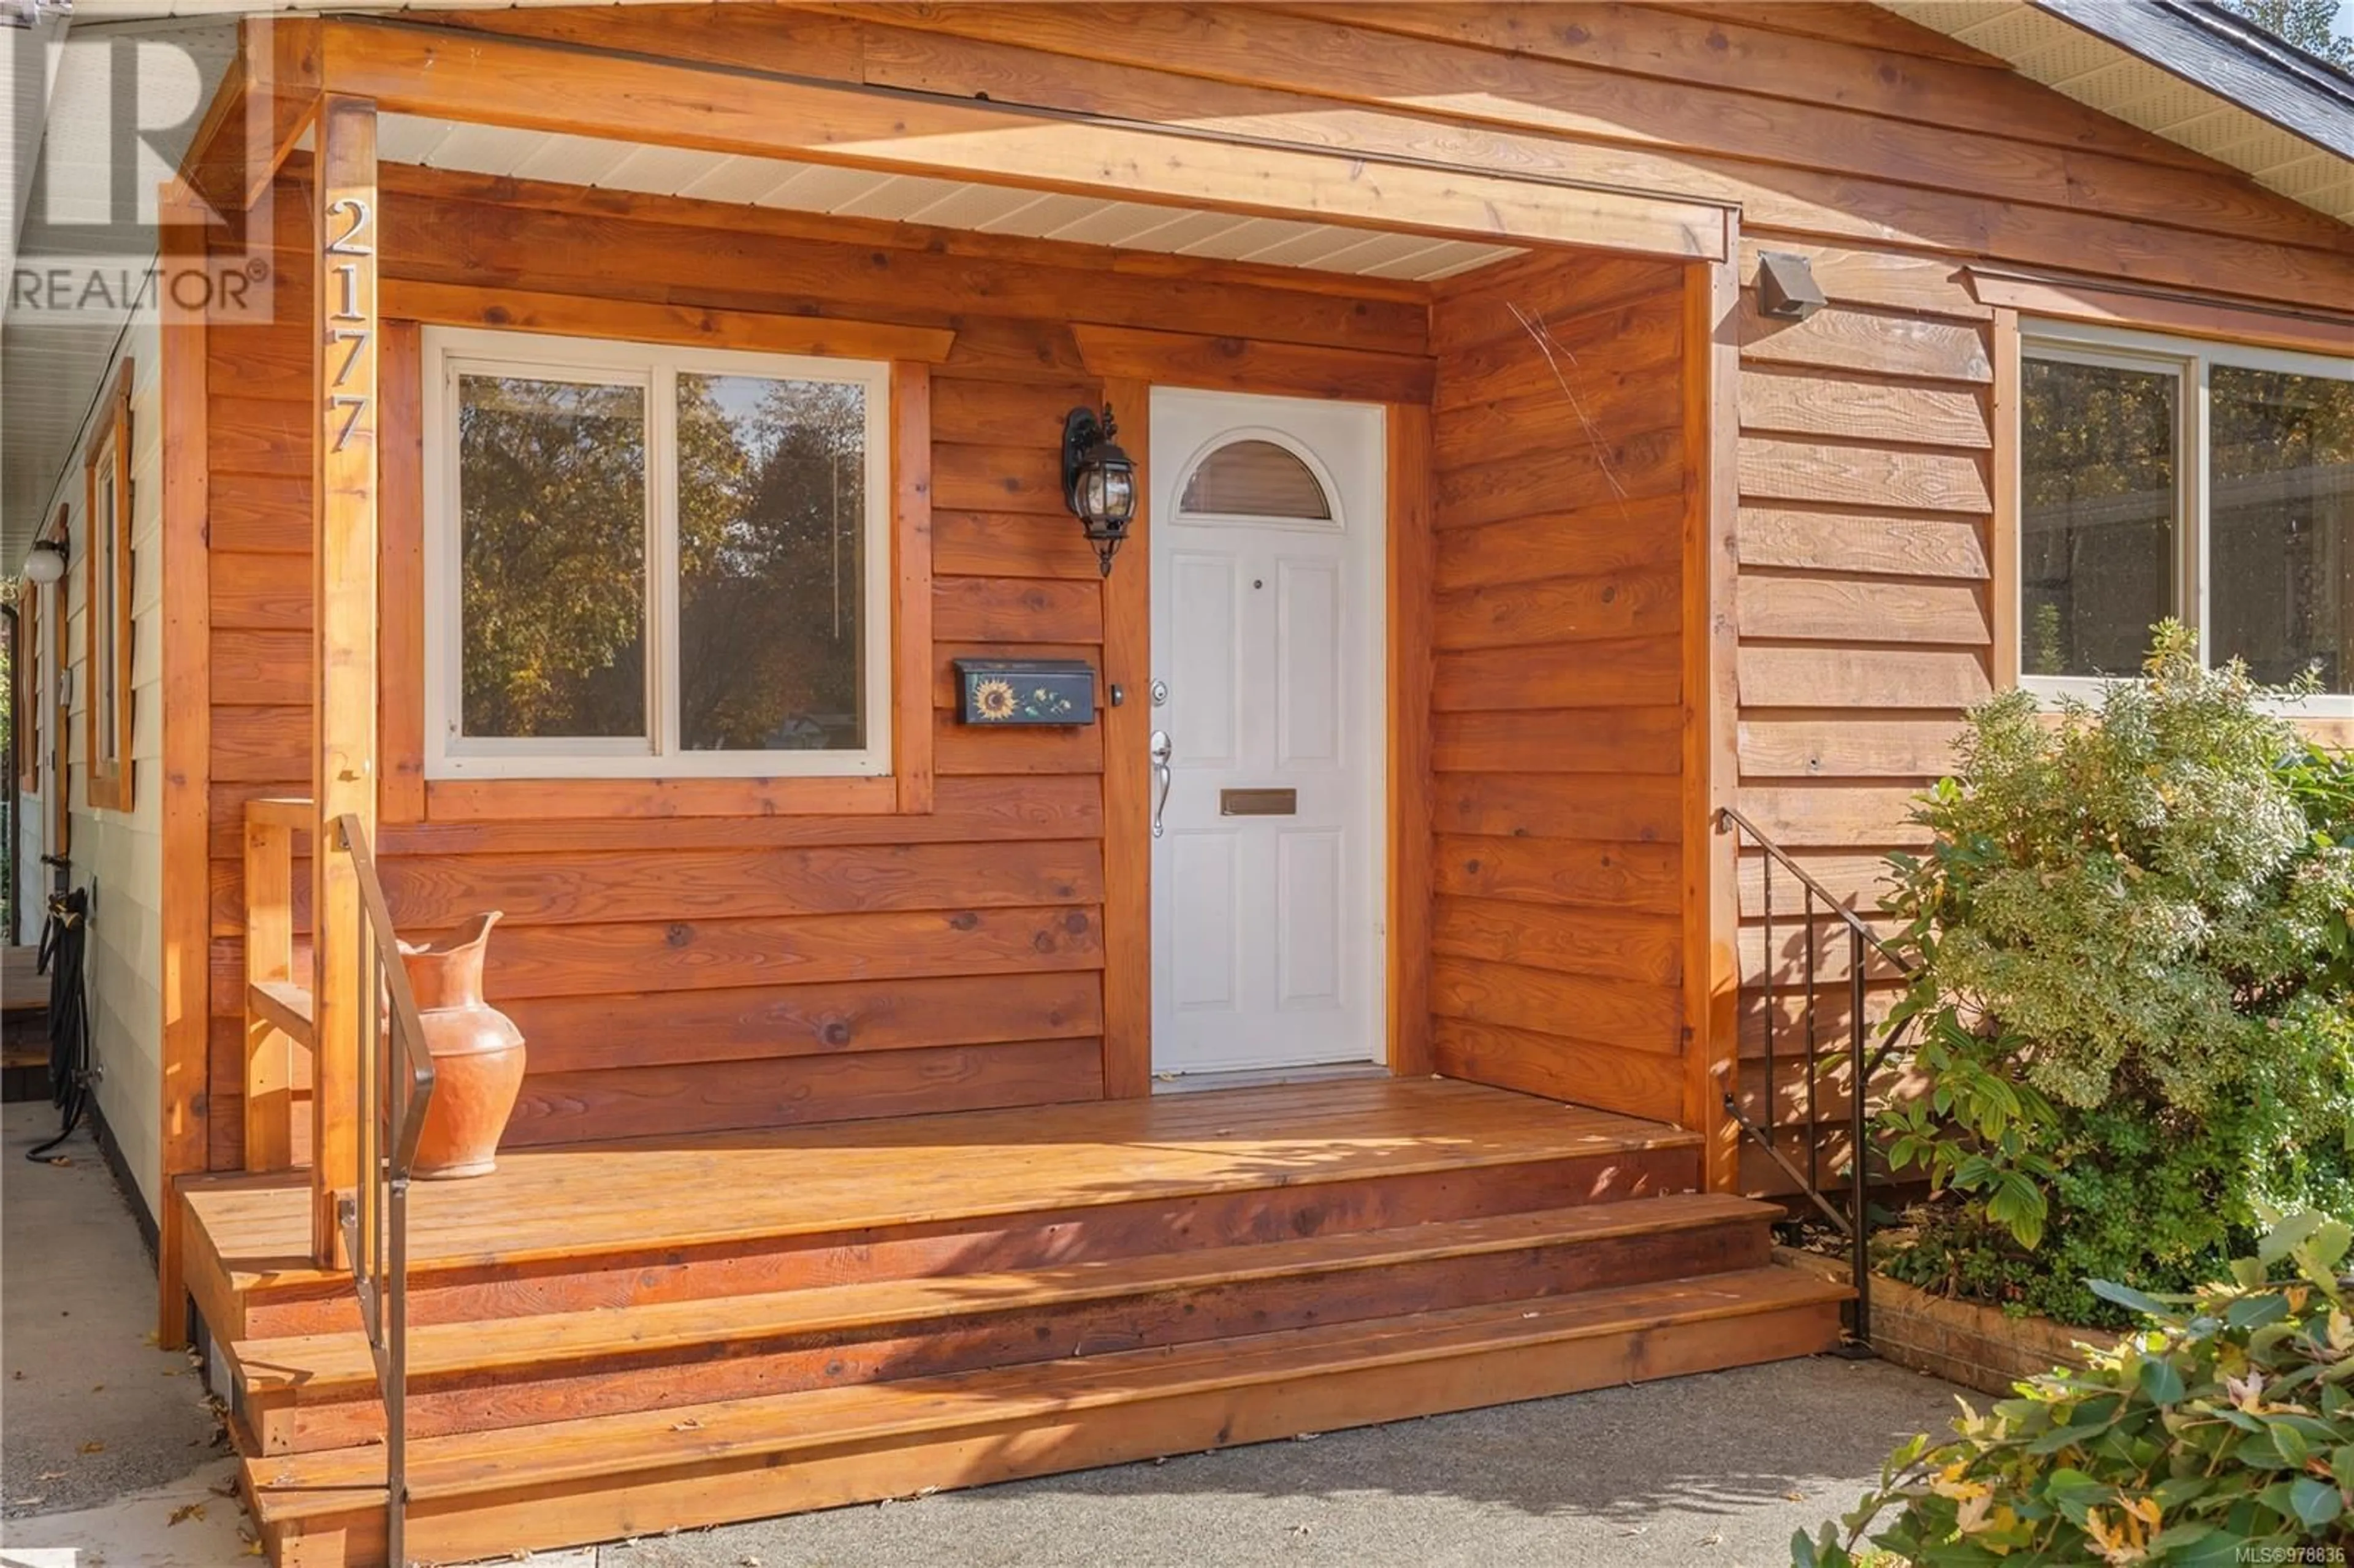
(349, 330)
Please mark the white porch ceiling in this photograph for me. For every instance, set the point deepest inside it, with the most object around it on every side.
(909, 198)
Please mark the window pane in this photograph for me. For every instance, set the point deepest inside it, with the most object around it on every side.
(552, 551)
(771, 562)
(2099, 508)
(2281, 510)
(1254, 479)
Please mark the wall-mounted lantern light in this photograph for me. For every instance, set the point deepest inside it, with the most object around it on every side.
(1098, 481)
(1787, 289)
(46, 564)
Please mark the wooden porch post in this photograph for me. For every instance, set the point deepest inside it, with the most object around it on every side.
(344, 604)
(1712, 764)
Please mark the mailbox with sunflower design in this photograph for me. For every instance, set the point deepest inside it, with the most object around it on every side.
(1027, 691)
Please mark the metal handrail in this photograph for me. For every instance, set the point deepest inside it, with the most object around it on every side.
(395, 1085)
(1863, 1062)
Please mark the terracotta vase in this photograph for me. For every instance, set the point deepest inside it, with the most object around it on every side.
(477, 1055)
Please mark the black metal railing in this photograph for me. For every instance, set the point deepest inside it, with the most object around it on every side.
(395, 1085)
(1861, 1057)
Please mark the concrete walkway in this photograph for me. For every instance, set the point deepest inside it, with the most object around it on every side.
(108, 1449)
(91, 1414)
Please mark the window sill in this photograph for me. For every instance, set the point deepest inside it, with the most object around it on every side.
(2330, 708)
(528, 799)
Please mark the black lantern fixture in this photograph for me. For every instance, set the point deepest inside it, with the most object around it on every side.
(1098, 481)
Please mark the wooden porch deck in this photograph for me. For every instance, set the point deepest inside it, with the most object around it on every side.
(621, 1338)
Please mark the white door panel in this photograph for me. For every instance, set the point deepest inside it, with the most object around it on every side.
(1267, 630)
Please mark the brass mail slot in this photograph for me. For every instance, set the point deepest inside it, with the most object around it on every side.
(1258, 802)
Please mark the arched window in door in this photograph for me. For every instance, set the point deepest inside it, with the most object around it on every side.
(1253, 477)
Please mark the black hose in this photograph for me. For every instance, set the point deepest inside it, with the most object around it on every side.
(64, 937)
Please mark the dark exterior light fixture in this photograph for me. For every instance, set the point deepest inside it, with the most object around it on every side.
(1098, 481)
(1787, 289)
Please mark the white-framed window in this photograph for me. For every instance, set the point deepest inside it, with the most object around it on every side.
(643, 561)
(2209, 481)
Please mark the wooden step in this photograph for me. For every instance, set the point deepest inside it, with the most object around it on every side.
(609, 1226)
(565, 1483)
(313, 1391)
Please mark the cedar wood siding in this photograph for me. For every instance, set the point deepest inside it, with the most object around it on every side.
(1557, 725)
(1866, 607)
(696, 972)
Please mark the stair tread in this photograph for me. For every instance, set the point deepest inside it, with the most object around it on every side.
(339, 1365)
(294, 1487)
(567, 1203)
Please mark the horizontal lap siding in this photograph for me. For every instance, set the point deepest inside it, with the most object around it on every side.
(672, 988)
(1556, 724)
(1866, 619)
(704, 972)
(259, 521)
(1888, 156)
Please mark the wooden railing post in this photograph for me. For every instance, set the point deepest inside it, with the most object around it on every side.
(269, 959)
(345, 607)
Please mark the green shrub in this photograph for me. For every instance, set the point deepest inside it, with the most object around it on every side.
(2224, 1432)
(2135, 990)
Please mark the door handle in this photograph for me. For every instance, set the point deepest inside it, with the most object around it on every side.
(1162, 750)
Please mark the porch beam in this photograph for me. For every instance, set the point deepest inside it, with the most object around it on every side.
(344, 358)
(261, 109)
(548, 85)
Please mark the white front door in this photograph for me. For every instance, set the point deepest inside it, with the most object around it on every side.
(1268, 524)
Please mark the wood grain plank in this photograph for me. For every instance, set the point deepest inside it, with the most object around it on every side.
(1848, 746)
(1633, 1017)
(1634, 877)
(1634, 671)
(567, 1107)
(1774, 469)
(607, 1032)
(432, 892)
(1557, 610)
(1802, 401)
(1825, 609)
(1626, 740)
(1834, 676)
(1882, 344)
(1825, 539)
(1558, 806)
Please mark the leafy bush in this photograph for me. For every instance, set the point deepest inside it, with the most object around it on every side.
(2222, 1434)
(2134, 939)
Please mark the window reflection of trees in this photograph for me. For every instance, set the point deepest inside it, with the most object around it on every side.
(2281, 558)
(771, 560)
(772, 502)
(2099, 503)
(552, 490)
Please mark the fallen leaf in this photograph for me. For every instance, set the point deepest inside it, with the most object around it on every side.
(93, 1447)
(1795, 1496)
(60, 1160)
(195, 1510)
(98, 1388)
